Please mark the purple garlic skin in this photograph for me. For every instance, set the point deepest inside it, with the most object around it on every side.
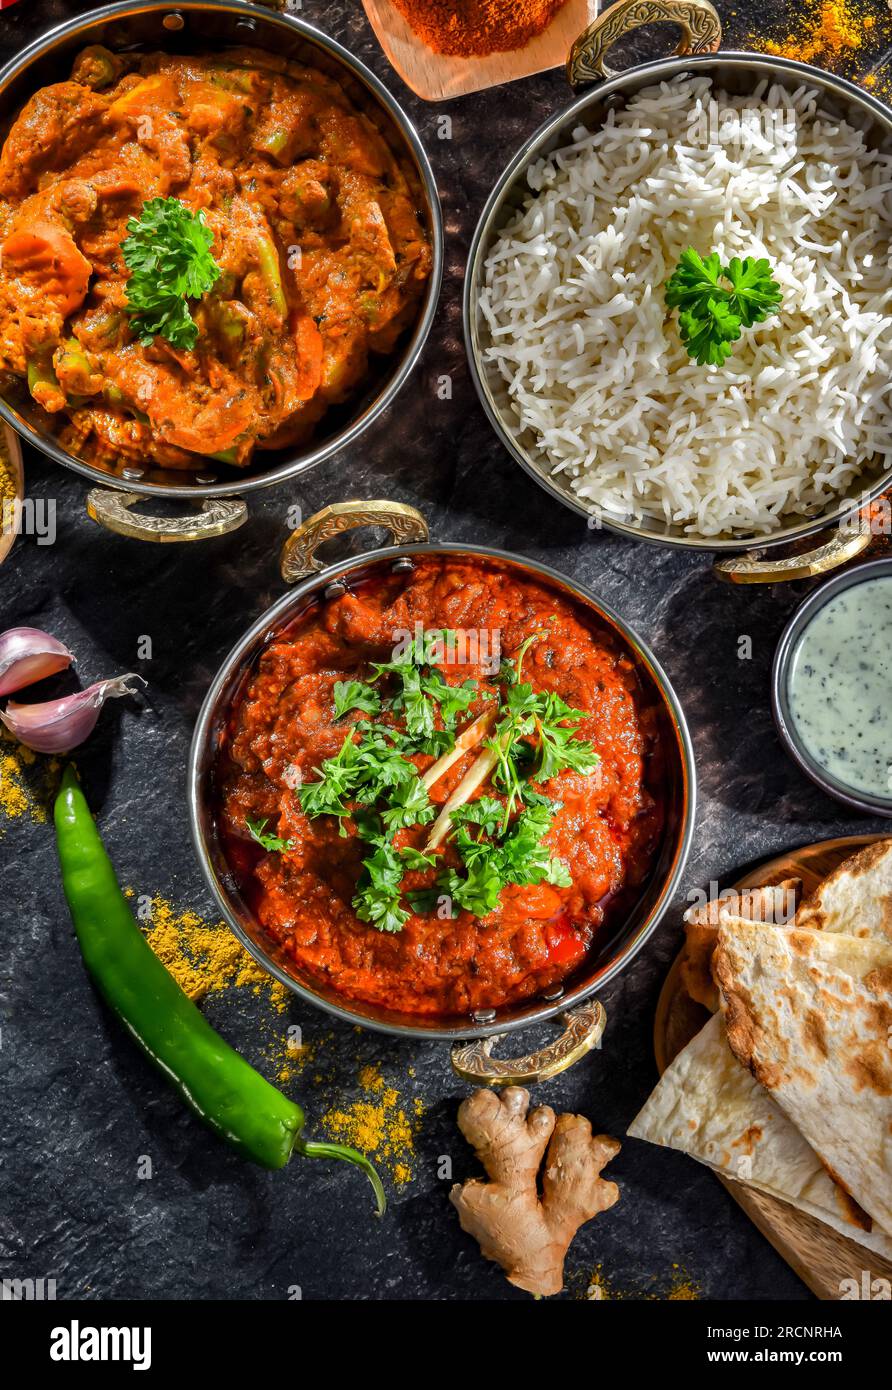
(28, 655)
(58, 726)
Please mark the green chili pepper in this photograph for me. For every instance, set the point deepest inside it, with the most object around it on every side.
(218, 1084)
(41, 373)
(268, 261)
(273, 142)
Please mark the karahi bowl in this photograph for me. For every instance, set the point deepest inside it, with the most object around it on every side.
(208, 25)
(622, 941)
(738, 73)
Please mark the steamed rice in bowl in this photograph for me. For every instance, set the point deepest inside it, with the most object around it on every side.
(601, 386)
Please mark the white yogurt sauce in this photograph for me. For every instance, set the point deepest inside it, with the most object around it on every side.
(839, 687)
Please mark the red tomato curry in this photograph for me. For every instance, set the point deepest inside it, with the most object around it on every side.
(316, 229)
(283, 727)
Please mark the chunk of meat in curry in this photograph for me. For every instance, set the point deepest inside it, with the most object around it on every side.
(316, 229)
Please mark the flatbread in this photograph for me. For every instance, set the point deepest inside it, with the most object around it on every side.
(810, 1014)
(775, 904)
(856, 899)
(707, 1106)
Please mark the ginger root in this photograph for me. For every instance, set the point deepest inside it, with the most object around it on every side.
(528, 1234)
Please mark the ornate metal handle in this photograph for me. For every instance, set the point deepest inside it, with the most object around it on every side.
(217, 516)
(298, 558)
(838, 547)
(583, 1027)
(701, 32)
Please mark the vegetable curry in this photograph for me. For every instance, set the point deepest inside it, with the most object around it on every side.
(343, 749)
(319, 256)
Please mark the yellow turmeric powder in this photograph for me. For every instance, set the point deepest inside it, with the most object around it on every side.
(204, 957)
(27, 781)
(378, 1125)
(828, 31)
(595, 1287)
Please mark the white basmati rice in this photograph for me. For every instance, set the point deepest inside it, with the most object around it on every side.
(594, 366)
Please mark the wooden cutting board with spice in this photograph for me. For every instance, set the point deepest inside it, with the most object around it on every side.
(449, 48)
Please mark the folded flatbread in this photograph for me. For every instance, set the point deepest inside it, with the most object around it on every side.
(810, 1014)
(856, 899)
(775, 904)
(708, 1106)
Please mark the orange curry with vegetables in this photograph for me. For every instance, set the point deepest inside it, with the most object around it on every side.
(606, 825)
(316, 230)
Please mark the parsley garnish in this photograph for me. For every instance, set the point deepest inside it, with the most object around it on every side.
(378, 897)
(551, 721)
(711, 315)
(350, 695)
(372, 783)
(168, 255)
(520, 857)
(272, 843)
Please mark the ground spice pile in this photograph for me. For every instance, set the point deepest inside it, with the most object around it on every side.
(475, 28)
(378, 1125)
(27, 782)
(204, 957)
(596, 1288)
(827, 31)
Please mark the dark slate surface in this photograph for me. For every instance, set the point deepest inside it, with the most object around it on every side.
(81, 1107)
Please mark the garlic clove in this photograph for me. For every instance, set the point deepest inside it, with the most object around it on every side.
(57, 726)
(28, 655)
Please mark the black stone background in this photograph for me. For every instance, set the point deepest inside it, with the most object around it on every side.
(80, 1106)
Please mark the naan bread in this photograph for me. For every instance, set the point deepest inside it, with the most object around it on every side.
(810, 1014)
(856, 899)
(707, 1106)
(775, 904)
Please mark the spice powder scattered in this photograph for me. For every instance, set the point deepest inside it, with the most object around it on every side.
(596, 1288)
(378, 1125)
(27, 781)
(827, 31)
(204, 957)
(475, 28)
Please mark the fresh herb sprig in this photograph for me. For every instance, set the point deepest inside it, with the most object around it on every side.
(713, 315)
(520, 856)
(372, 783)
(539, 715)
(378, 899)
(273, 844)
(169, 258)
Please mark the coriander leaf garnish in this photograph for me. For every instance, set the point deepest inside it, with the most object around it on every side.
(350, 695)
(373, 783)
(547, 719)
(754, 294)
(409, 805)
(338, 776)
(272, 843)
(521, 857)
(711, 315)
(486, 812)
(168, 255)
(378, 898)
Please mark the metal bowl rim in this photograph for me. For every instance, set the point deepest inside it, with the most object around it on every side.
(285, 471)
(793, 631)
(683, 838)
(641, 74)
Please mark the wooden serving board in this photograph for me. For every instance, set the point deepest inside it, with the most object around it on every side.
(437, 77)
(818, 1254)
